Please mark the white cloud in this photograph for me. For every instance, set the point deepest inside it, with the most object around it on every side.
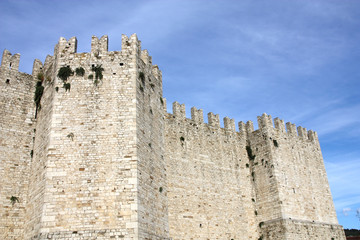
(344, 180)
(346, 211)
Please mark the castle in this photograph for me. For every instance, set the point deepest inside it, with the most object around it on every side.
(89, 151)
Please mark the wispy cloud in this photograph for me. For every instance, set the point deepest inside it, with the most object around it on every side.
(346, 211)
(337, 119)
(344, 180)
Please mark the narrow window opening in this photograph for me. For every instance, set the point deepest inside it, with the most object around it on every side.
(294, 190)
(7, 81)
(121, 64)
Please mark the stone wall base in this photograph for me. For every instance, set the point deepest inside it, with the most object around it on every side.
(282, 229)
(94, 234)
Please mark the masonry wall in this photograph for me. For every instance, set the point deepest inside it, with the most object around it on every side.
(289, 177)
(287, 229)
(152, 190)
(90, 167)
(41, 135)
(210, 194)
(16, 133)
(303, 187)
(267, 200)
(88, 150)
(281, 176)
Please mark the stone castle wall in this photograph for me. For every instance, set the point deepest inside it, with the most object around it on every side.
(16, 138)
(289, 177)
(280, 229)
(296, 164)
(209, 188)
(153, 218)
(101, 158)
(227, 184)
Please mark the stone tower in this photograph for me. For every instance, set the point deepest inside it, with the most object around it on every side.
(89, 151)
(96, 168)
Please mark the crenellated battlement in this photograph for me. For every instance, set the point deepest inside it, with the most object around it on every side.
(67, 50)
(66, 47)
(145, 57)
(197, 115)
(131, 44)
(179, 111)
(249, 127)
(37, 67)
(242, 127)
(99, 45)
(266, 123)
(302, 132)
(131, 54)
(10, 61)
(280, 125)
(9, 68)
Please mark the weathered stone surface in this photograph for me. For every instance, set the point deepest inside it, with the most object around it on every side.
(99, 158)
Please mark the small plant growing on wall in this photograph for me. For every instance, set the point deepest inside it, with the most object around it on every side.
(182, 140)
(40, 76)
(67, 86)
(80, 71)
(71, 136)
(64, 73)
(98, 73)
(249, 152)
(39, 90)
(14, 199)
(142, 77)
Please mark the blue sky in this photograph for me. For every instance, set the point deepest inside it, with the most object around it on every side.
(297, 60)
